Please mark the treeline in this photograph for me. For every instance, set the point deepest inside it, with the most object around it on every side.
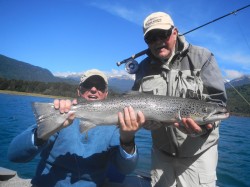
(236, 104)
(50, 88)
(45, 88)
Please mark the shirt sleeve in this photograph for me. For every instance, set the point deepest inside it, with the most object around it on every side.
(127, 155)
(22, 148)
(213, 81)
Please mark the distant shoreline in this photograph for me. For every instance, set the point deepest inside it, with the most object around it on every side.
(29, 94)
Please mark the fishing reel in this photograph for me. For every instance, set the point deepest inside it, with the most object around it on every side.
(131, 65)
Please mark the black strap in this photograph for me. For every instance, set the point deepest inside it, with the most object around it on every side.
(38, 141)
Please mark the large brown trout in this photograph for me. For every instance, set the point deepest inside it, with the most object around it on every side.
(158, 108)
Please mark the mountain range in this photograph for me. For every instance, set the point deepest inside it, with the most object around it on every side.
(18, 70)
(14, 69)
(243, 80)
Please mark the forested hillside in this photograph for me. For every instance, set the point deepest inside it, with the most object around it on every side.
(236, 104)
(18, 70)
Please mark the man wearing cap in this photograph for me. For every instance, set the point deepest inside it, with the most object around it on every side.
(69, 158)
(186, 155)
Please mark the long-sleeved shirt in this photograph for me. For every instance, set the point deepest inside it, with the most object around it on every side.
(70, 158)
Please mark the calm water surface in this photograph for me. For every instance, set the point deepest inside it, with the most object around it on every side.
(234, 150)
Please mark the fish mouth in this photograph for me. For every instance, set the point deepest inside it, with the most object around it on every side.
(217, 115)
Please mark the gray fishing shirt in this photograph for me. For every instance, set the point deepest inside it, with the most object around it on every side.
(192, 72)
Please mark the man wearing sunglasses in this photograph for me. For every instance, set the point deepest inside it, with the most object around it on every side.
(186, 155)
(69, 158)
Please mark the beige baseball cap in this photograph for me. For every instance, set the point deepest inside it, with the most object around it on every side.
(157, 20)
(93, 72)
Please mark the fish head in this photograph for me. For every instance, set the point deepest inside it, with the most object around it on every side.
(209, 113)
(218, 113)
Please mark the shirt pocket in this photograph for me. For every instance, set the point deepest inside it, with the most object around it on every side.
(154, 84)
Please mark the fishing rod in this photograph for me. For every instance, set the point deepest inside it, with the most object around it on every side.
(131, 65)
(233, 12)
(228, 82)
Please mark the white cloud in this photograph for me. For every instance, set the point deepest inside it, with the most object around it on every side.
(134, 12)
(235, 61)
(204, 37)
(120, 73)
(237, 58)
(112, 73)
(232, 74)
(66, 74)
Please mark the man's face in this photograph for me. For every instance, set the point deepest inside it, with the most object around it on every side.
(94, 88)
(162, 43)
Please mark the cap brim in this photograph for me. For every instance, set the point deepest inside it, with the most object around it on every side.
(160, 27)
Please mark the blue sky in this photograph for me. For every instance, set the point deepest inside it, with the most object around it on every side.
(72, 36)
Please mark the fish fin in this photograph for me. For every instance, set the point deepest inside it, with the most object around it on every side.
(86, 125)
(132, 93)
(42, 110)
(48, 119)
(179, 117)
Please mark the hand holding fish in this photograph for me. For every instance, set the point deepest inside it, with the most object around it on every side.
(64, 106)
(190, 127)
(129, 123)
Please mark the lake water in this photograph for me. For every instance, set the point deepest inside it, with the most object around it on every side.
(234, 149)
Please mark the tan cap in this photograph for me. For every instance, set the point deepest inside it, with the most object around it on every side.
(93, 72)
(157, 20)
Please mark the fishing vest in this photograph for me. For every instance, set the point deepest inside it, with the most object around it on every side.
(181, 78)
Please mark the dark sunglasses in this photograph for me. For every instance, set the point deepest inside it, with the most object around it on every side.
(88, 85)
(158, 34)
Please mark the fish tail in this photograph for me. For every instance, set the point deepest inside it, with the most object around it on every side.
(48, 119)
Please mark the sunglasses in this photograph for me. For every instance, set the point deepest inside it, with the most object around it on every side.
(153, 36)
(87, 85)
